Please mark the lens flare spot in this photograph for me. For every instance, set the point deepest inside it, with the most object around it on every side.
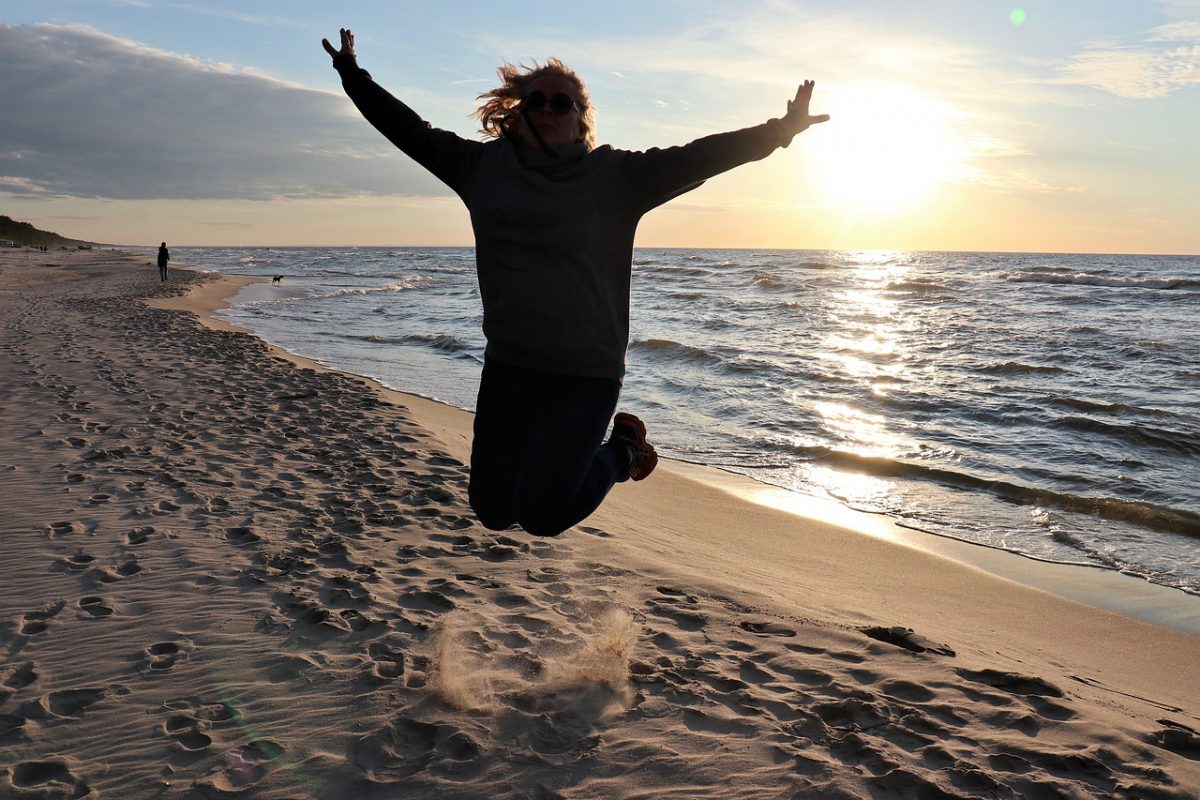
(1017, 16)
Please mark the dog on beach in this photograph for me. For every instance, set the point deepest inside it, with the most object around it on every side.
(277, 279)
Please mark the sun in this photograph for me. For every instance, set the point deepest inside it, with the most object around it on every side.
(885, 147)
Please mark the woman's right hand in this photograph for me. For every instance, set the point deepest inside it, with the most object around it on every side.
(347, 51)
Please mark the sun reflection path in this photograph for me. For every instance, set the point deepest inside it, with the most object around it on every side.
(869, 341)
(860, 432)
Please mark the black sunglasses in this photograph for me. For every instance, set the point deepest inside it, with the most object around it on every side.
(559, 104)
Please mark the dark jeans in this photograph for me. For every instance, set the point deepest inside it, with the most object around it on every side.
(162, 272)
(538, 458)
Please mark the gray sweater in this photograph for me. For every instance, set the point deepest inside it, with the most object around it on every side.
(554, 234)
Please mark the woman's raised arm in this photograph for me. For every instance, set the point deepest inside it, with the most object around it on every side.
(447, 155)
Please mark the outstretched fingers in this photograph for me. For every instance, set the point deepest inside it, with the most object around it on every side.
(798, 107)
(347, 41)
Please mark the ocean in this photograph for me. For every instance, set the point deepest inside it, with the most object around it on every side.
(1044, 404)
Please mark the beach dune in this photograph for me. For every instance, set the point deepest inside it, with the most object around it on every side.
(229, 573)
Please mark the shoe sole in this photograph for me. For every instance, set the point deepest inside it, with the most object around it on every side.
(641, 469)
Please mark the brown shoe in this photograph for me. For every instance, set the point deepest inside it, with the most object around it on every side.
(631, 431)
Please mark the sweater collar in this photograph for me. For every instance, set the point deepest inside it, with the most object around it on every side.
(549, 162)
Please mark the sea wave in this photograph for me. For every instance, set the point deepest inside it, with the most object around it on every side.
(405, 284)
(1019, 368)
(442, 342)
(1176, 442)
(1102, 279)
(916, 287)
(666, 348)
(764, 281)
(1136, 512)
(1092, 407)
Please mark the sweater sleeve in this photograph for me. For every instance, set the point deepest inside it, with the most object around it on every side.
(445, 154)
(658, 175)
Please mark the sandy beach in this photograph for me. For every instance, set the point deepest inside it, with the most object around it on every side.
(226, 572)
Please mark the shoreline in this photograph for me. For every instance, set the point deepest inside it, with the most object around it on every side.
(1094, 586)
(231, 573)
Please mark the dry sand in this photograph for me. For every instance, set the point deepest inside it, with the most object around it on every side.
(224, 573)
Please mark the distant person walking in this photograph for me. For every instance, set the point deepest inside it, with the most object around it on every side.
(164, 256)
(554, 219)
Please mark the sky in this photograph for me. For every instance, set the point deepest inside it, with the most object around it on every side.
(1063, 126)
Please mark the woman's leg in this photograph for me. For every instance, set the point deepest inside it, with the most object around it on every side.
(567, 470)
(538, 457)
(502, 424)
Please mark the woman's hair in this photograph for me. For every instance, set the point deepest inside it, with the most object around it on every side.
(501, 105)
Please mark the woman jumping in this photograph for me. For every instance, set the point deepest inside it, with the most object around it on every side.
(554, 218)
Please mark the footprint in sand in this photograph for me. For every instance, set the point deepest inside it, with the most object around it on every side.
(385, 662)
(47, 779)
(95, 607)
(65, 528)
(207, 713)
(18, 678)
(161, 656)
(139, 535)
(721, 726)
(679, 607)
(425, 600)
(79, 562)
(71, 703)
(767, 629)
(128, 566)
(498, 551)
(1011, 682)
(12, 729)
(1178, 738)
(246, 766)
(1036, 692)
(35, 622)
(164, 508)
(908, 639)
(241, 536)
(187, 732)
(408, 746)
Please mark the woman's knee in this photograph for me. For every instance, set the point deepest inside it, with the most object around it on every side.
(545, 518)
(543, 526)
(493, 515)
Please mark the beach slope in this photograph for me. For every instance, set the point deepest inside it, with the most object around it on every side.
(225, 573)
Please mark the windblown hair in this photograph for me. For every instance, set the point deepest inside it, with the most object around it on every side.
(501, 106)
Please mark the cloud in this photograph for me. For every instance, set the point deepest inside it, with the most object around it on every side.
(1166, 60)
(87, 114)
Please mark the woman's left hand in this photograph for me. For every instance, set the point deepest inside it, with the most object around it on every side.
(346, 54)
(797, 118)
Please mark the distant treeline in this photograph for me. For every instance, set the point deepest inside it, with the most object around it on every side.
(24, 233)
